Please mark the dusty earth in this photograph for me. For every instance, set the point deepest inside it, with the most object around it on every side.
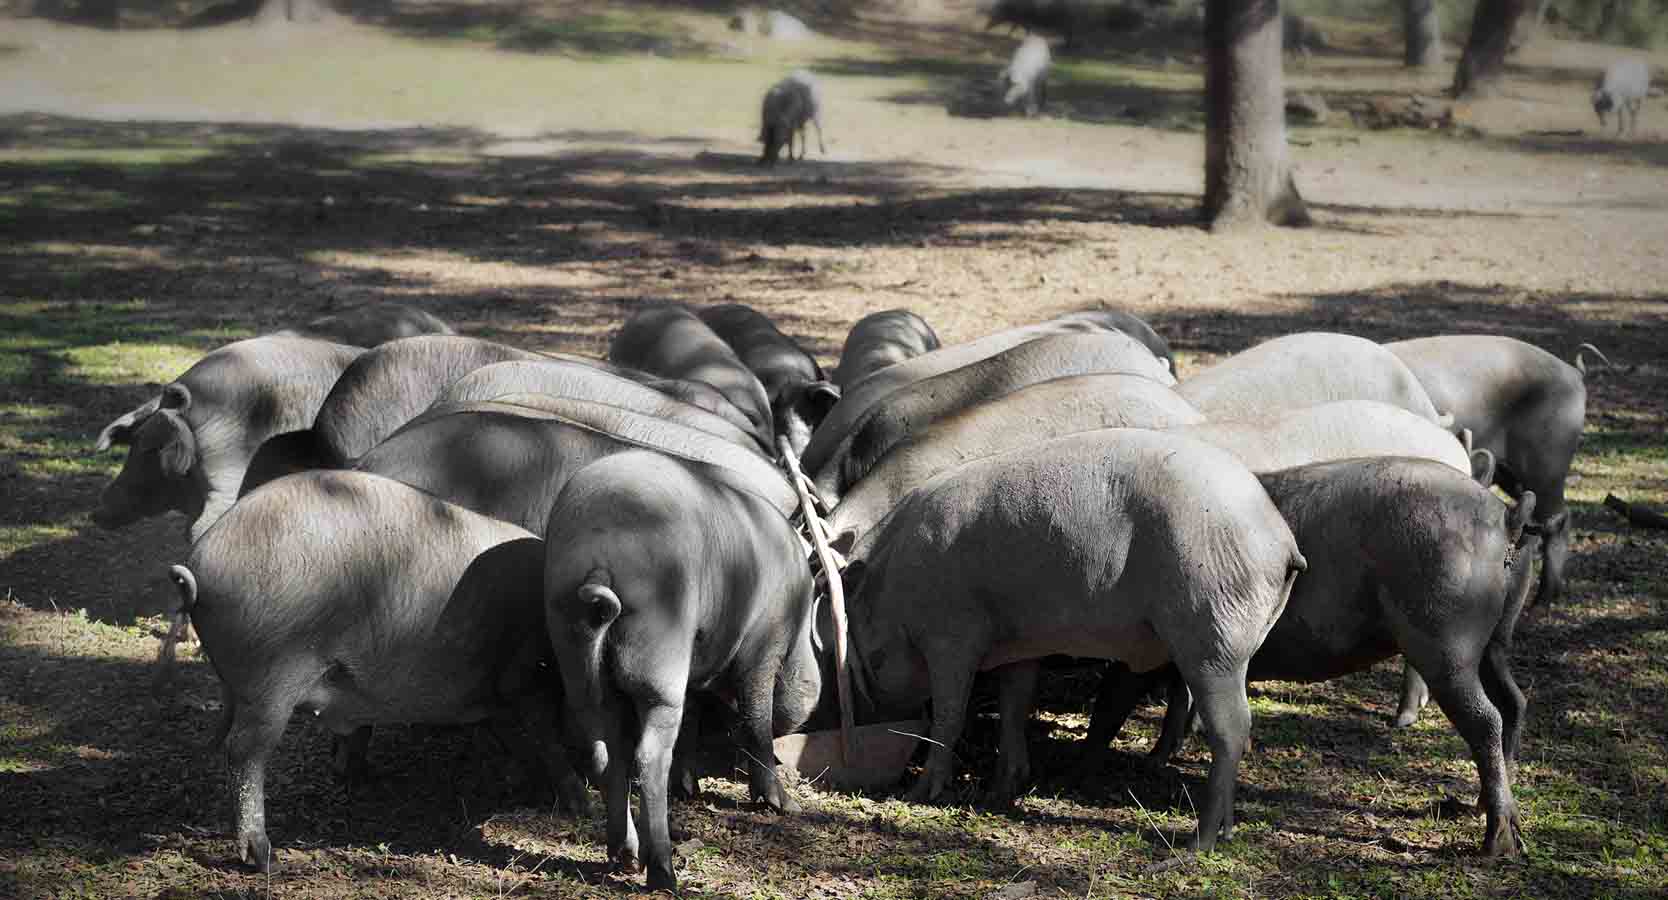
(532, 177)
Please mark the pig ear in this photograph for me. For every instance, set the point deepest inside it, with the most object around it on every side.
(176, 396)
(1482, 466)
(120, 431)
(179, 450)
(820, 397)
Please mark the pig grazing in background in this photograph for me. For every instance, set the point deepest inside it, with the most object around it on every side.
(789, 106)
(364, 601)
(659, 582)
(193, 442)
(1025, 80)
(882, 339)
(1622, 89)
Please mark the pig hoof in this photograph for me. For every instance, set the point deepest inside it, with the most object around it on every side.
(626, 863)
(1504, 839)
(662, 879)
(922, 792)
(256, 851)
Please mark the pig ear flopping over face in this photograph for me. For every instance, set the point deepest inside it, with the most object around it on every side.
(120, 430)
(179, 447)
(820, 398)
(1482, 466)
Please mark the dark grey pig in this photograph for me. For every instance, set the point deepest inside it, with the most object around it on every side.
(1405, 556)
(1303, 370)
(788, 107)
(192, 442)
(800, 397)
(1522, 404)
(879, 340)
(660, 582)
(387, 606)
(1121, 543)
(670, 340)
(371, 324)
(915, 407)
(1028, 416)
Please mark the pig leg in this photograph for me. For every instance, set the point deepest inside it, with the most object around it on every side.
(757, 705)
(622, 833)
(1415, 694)
(950, 672)
(348, 757)
(1179, 719)
(536, 741)
(1120, 691)
(1222, 705)
(654, 767)
(685, 781)
(1555, 546)
(256, 730)
(1459, 691)
(1507, 697)
(1016, 692)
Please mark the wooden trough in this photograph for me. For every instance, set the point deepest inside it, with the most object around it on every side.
(854, 757)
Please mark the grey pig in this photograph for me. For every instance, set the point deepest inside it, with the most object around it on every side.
(1622, 89)
(1121, 543)
(882, 339)
(788, 106)
(1025, 79)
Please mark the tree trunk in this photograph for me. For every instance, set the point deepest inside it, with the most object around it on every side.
(306, 11)
(1248, 179)
(1485, 50)
(1422, 27)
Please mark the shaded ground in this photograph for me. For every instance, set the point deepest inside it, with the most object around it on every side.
(157, 201)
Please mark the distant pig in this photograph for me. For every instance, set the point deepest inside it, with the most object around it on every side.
(1025, 80)
(371, 324)
(1622, 89)
(789, 106)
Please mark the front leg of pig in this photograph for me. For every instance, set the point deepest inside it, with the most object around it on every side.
(951, 665)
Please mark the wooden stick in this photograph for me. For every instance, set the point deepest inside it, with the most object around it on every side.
(1640, 516)
(836, 599)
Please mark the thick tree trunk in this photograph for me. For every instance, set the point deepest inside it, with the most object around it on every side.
(1422, 27)
(1485, 50)
(307, 11)
(1248, 179)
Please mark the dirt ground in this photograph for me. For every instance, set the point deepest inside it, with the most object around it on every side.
(534, 177)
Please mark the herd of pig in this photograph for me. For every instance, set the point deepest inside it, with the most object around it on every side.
(393, 523)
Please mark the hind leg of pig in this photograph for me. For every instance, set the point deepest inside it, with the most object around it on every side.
(1180, 719)
(1226, 715)
(1458, 689)
(1121, 690)
(654, 766)
(533, 737)
(685, 781)
(1555, 548)
(950, 673)
(1415, 694)
(1016, 693)
(756, 700)
(1507, 697)
(622, 831)
(255, 731)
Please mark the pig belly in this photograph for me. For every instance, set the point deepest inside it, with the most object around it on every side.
(1136, 644)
